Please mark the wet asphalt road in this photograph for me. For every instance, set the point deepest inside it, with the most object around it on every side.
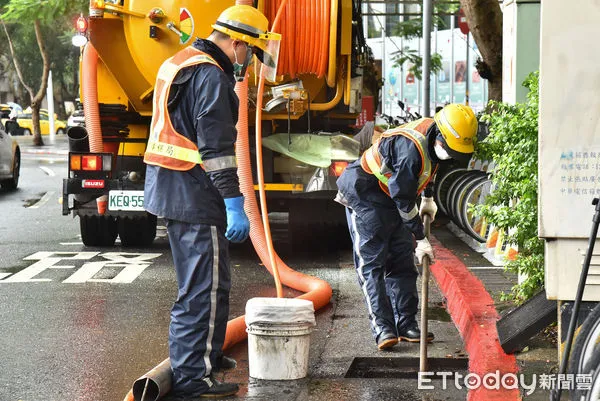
(68, 334)
(64, 337)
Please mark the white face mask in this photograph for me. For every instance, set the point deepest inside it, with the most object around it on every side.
(239, 70)
(440, 152)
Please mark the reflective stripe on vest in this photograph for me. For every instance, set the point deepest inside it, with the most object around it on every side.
(371, 159)
(166, 147)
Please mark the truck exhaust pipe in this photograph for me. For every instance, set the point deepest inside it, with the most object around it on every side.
(79, 142)
(78, 139)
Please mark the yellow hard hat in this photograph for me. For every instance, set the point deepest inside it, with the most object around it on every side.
(246, 23)
(458, 126)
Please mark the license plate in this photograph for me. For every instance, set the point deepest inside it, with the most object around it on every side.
(126, 200)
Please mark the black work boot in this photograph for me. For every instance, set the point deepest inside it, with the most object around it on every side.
(224, 363)
(219, 389)
(412, 334)
(386, 340)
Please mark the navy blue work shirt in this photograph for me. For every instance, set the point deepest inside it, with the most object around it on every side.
(361, 190)
(204, 107)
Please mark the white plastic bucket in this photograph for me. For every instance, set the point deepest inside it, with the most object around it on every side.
(279, 337)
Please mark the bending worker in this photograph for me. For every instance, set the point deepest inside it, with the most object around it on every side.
(380, 191)
(191, 180)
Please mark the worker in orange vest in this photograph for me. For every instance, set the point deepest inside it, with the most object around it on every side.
(380, 192)
(191, 181)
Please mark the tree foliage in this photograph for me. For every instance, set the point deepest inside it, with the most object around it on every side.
(413, 29)
(34, 30)
(48, 12)
(415, 61)
(512, 206)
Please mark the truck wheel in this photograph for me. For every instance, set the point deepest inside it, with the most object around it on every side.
(137, 231)
(98, 230)
(591, 391)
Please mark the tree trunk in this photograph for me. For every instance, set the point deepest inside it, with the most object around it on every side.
(22, 95)
(485, 23)
(61, 93)
(36, 100)
(37, 140)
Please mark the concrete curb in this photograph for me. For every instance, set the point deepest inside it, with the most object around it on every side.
(472, 310)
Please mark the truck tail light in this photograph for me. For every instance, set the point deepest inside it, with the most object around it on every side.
(90, 162)
(337, 168)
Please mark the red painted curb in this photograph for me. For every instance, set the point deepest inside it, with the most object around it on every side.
(472, 310)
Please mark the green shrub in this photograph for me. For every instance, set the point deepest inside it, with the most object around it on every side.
(512, 206)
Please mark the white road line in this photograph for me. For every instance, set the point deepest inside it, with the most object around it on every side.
(3, 275)
(117, 241)
(42, 201)
(47, 171)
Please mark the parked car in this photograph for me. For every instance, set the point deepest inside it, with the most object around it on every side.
(25, 122)
(10, 160)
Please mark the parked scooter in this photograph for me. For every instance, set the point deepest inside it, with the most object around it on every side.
(408, 115)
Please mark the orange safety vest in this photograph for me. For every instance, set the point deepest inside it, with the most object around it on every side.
(166, 147)
(371, 160)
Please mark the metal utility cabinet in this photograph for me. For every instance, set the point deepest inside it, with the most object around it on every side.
(569, 143)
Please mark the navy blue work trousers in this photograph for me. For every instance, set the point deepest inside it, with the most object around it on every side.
(383, 250)
(200, 313)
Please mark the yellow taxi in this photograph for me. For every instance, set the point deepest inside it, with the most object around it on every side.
(25, 122)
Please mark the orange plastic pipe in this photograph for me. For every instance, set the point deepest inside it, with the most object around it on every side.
(91, 110)
(316, 290)
(309, 37)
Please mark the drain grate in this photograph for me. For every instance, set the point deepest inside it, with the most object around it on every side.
(402, 368)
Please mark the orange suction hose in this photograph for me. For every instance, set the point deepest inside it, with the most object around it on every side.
(91, 110)
(316, 290)
(89, 76)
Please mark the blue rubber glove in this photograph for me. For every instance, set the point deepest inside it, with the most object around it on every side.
(238, 225)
